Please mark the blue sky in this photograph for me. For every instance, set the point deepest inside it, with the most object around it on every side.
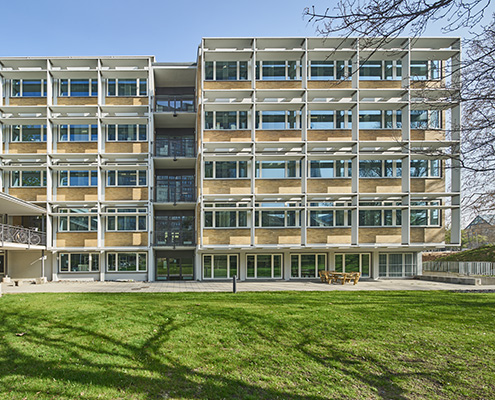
(170, 30)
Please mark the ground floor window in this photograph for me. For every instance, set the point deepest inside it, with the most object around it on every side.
(2, 264)
(307, 265)
(397, 265)
(218, 266)
(127, 262)
(264, 266)
(353, 263)
(79, 262)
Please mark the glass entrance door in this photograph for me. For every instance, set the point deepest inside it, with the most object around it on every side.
(170, 268)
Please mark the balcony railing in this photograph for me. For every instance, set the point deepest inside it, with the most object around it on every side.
(171, 195)
(175, 103)
(184, 147)
(174, 238)
(19, 234)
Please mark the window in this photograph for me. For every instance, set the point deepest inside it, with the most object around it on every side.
(126, 178)
(328, 218)
(353, 263)
(172, 188)
(330, 119)
(78, 133)
(28, 179)
(174, 228)
(278, 70)
(127, 87)
(426, 70)
(426, 169)
(278, 169)
(427, 216)
(278, 120)
(380, 70)
(126, 133)
(330, 70)
(278, 217)
(225, 216)
(220, 266)
(78, 87)
(226, 70)
(28, 133)
(397, 265)
(127, 262)
(226, 120)
(78, 220)
(331, 169)
(28, 88)
(380, 217)
(226, 169)
(264, 266)
(127, 219)
(79, 262)
(307, 265)
(78, 178)
(380, 168)
(426, 119)
(380, 119)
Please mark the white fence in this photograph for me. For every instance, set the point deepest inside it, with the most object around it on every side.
(461, 268)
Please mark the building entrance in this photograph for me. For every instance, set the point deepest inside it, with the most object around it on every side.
(174, 266)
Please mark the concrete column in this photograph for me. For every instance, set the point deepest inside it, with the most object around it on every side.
(242, 266)
(54, 266)
(197, 266)
(286, 263)
(151, 266)
(375, 265)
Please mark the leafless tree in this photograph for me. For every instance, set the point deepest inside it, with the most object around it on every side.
(389, 19)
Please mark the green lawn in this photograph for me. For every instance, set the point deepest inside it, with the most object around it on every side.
(285, 345)
(485, 253)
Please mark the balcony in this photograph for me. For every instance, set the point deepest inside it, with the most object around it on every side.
(184, 194)
(18, 237)
(175, 238)
(175, 103)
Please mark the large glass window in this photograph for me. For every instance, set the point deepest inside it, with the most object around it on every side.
(226, 169)
(226, 120)
(426, 119)
(78, 87)
(278, 70)
(280, 215)
(127, 87)
(426, 168)
(380, 70)
(127, 262)
(79, 262)
(126, 178)
(397, 265)
(353, 263)
(380, 217)
(264, 266)
(328, 218)
(28, 179)
(307, 265)
(126, 133)
(174, 228)
(28, 133)
(78, 178)
(380, 168)
(225, 216)
(28, 88)
(426, 70)
(331, 169)
(127, 219)
(278, 169)
(220, 266)
(427, 216)
(330, 119)
(226, 70)
(78, 133)
(330, 70)
(78, 220)
(278, 120)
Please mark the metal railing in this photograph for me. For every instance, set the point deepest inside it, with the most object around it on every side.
(460, 268)
(174, 238)
(175, 103)
(167, 195)
(19, 234)
(175, 147)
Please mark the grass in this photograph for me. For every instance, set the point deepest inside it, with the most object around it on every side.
(279, 345)
(485, 253)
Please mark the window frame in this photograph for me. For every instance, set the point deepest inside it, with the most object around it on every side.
(346, 168)
(272, 265)
(211, 211)
(338, 66)
(138, 214)
(117, 134)
(396, 169)
(115, 267)
(341, 119)
(43, 87)
(385, 266)
(22, 172)
(298, 168)
(211, 123)
(92, 176)
(360, 262)
(94, 258)
(212, 265)
(90, 214)
(429, 213)
(91, 82)
(299, 265)
(214, 67)
(212, 166)
(92, 134)
(21, 134)
(138, 83)
(140, 173)
(287, 65)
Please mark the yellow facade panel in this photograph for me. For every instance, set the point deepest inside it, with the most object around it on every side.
(77, 194)
(77, 147)
(277, 236)
(329, 84)
(282, 186)
(329, 135)
(126, 147)
(278, 136)
(29, 194)
(126, 193)
(377, 185)
(76, 239)
(231, 186)
(226, 85)
(226, 237)
(329, 236)
(27, 148)
(121, 239)
(329, 185)
(126, 101)
(227, 136)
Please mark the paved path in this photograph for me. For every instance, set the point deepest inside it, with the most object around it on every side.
(156, 287)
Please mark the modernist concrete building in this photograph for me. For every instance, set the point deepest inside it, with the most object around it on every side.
(268, 158)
